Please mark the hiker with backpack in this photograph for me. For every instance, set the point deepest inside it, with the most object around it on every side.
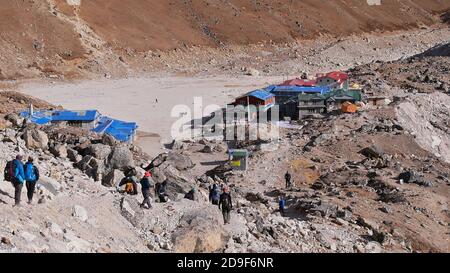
(191, 194)
(226, 205)
(161, 192)
(31, 177)
(130, 181)
(214, 195)
(14, 173)
(146, 184)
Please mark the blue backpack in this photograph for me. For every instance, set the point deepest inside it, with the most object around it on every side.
(215, 195)
(30, 174)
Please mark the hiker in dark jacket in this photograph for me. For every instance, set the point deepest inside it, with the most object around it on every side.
(162, 192)
(157, 186)
(146, 184)
(288, 178)
(18, 178)
(191, 194)
(214, 195)
(31, 177)
(226, 205)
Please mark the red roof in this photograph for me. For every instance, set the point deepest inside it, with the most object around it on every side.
(298, 82)
(337, 76)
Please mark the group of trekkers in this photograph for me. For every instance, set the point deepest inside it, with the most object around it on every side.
(219, 196)
(130, 182)
(282, 199)
(222, 198)
(19, 174)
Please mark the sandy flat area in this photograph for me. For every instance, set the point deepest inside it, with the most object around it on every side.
(135, 99)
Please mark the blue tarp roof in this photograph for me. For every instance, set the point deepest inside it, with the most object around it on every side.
(260, 94)
(120, 130)
(39, 117)
(88, 115)
(286, 90)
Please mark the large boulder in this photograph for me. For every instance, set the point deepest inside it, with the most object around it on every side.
(73, 155)
(200, 231)
(99, 151)
(372, 152)
(121, 158)
(130, 210)
(176, 145)
(59, 151)
(50, 184)
(177, 182)
(80, 213)
(9, 135)
(158, 175)
(112, 178)
(91, 166)
(15, 119)
(180, 161)
(414, 177)
(109, 140)
(35, 139)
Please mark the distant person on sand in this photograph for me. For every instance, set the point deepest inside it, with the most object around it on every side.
(31, 177)
(214, 195)
(18, 178)
(146, 183)
(226, 205)
(282, 204)
(288, 178)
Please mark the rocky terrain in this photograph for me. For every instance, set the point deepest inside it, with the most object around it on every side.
(374, 181)
(77, 39)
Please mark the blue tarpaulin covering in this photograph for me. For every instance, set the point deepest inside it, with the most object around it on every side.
(88, 115)
(120, 130)
(39, 117)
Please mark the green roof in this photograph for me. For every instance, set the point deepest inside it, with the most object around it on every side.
(308, 97)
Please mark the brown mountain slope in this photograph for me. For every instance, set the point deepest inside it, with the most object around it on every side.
(145, 25)
(68, 36)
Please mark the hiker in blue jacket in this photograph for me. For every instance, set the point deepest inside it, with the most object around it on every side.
(31, 177)
(282, 204)
(18, 178)
(214, 195)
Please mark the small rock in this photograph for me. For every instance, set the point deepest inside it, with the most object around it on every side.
(80, 213)
(28, 236)
(385, 210)
(251, 72)
(207, 149)
(6, 241)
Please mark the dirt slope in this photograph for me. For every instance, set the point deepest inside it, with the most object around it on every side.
(145, 25)
(71, 36)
